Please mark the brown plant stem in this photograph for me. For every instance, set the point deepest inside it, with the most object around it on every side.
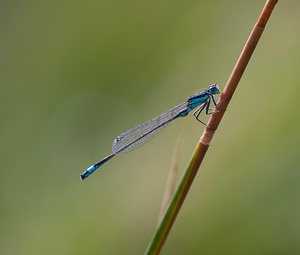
(204, 142)
(237, 72)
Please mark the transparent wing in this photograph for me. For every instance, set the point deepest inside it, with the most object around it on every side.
(138, 136)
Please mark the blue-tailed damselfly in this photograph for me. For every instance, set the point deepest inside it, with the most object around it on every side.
(137, 136)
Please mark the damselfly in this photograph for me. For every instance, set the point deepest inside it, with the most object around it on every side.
(137, 136)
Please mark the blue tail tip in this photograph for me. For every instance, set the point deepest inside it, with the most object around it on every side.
(84, 175)
(87, 173)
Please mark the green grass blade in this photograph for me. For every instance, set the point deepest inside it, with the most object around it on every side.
(177, 200)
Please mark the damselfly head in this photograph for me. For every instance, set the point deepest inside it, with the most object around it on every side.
(214, 89)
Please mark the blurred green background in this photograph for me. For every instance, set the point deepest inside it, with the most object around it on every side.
(75, 74)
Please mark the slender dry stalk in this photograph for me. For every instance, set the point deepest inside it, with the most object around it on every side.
(238, 72)
(204, 142)
(172, 178)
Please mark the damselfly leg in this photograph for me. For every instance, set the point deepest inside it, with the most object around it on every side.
(199, 110)
(206, 105)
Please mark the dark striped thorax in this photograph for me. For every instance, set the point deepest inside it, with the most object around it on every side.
(202, 97)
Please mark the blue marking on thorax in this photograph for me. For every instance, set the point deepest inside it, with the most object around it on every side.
(194, 101)
(197, 100)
